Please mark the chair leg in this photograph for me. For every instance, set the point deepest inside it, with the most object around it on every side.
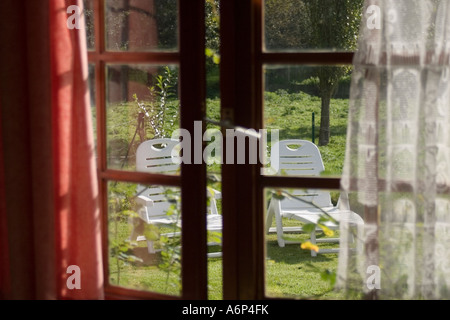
(359, 239)
(134, 235)
(136, 228)
(279, 223)
(151, 247)
(351, 237)
(269, 217)
(314, 242)
(274, 210)
(213, 206)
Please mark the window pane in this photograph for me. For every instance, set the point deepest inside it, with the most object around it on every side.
(141, 25)
(92, 94)
(213, 160)
(145, 237)
(142, 105)
(89, 18)
(296, 25)
(291, 268)
(310, 104)
(214, 201)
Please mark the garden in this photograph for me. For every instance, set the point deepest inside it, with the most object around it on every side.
(294, 111)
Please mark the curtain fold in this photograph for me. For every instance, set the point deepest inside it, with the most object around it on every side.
(76, 195)
(50, 216)
(397, 165)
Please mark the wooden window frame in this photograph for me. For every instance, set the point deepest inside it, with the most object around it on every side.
(190, 59)
(241, 78)
(242, 62)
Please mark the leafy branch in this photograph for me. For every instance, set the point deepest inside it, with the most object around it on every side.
(171, 245)
(158, 112)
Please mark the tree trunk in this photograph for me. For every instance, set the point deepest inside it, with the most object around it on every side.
(324, 132)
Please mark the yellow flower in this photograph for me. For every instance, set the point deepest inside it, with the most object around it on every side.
(309, 246)
(328, 232)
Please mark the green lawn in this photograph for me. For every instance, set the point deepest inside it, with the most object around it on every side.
(290, 271)
(292, 114)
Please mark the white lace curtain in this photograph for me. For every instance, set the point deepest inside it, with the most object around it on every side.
(397, 167)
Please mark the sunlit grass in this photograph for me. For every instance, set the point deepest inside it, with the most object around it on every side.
(290, 271)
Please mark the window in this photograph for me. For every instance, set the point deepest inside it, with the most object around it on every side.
(132, 44)
(250, 60)
(302, 74)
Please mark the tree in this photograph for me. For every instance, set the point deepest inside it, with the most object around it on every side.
(286, 25)
(334, 25)
(212, 35)
(318, 25)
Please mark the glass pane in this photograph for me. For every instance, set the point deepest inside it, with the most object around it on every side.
(142, 105)
(144, 233)
(298, 25)
(212, 43)
(89, 18)
(214, 183)
(92, 94)
(302, 257)
(91, 80)
(141, 25)
(213, 159)
(309, 104)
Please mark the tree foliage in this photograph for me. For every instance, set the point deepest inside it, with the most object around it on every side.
(317, 25)
(286, 25)
(334, 24)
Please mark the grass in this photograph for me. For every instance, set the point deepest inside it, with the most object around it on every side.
(290, 271)
(293, 113)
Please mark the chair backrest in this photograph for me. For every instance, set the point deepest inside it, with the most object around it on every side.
(158, 195)
(301, 158)
(156, 156)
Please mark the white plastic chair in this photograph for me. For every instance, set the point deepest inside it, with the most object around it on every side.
(301, 157)
(158, 156)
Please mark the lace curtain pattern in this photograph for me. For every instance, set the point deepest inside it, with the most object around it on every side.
(397, 166)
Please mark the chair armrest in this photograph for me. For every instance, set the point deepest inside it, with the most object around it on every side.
(343, 202)
(144, 201)
(215, 193)
(142, 204)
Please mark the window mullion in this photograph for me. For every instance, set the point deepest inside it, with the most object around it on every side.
(193, 182)
(241, 247)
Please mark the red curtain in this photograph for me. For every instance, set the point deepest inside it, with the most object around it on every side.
(50, 216)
